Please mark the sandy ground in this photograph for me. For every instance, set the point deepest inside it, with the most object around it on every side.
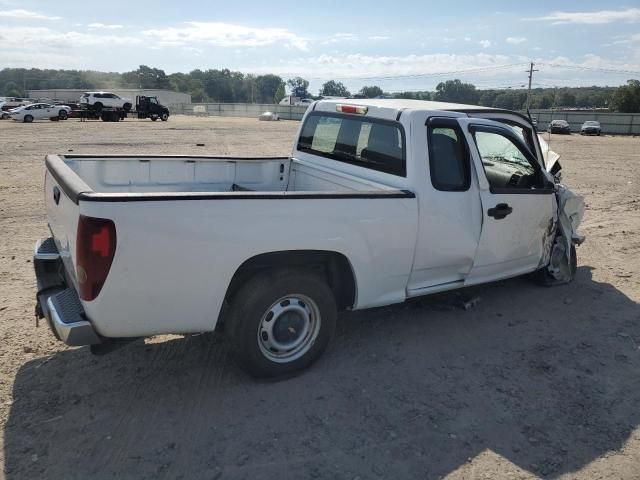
(531, 382)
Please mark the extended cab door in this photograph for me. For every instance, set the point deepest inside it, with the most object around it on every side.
(518, 202)
(449, 204)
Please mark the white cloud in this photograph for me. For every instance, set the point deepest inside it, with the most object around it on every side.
(97, 26)
(628, 40)
(224, 35)
(31, 40)
(25, 14)
(630, 15)
(340, 38)
(360, 66)
(484, 43)
(515, 40)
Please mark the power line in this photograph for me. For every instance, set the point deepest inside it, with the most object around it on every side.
(592, 69)
(432, 74)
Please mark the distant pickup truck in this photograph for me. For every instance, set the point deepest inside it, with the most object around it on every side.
(380, 201)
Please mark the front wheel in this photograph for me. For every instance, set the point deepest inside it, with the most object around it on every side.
(126, 107)
(545, 278)
(164, 117)
(281, 322)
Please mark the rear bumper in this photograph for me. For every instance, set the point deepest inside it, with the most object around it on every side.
(57, 301)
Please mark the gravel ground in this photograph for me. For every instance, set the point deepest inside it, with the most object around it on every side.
(529, 382)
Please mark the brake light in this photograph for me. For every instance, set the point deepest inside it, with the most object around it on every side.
(357, 109)
(95, 249)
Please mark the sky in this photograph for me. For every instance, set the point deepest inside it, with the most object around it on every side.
(407, 45)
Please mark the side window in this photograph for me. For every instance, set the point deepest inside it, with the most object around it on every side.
(506, 163)
(449, 162)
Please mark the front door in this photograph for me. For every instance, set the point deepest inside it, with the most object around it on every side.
(518, 203)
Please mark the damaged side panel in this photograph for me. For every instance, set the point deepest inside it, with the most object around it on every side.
(560, 260)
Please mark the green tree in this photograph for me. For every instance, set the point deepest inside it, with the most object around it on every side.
(267, 87)
(626, 99)
(371, 92)
(456, 91)
(334, 89)
(10, 89)
(146, 77)
(298, 82)
(280, 93)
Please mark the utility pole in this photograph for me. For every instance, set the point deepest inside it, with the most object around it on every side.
(531, 70)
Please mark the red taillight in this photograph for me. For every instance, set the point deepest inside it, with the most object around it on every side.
(357, 109)
(95, 248)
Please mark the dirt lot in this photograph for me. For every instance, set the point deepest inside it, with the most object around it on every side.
(531, 382)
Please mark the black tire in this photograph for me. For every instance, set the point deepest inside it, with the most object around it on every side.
(126, 107)
(28, 119)
(164, 117)
(98, 107)
(153, 118)
(253, 306)
(63, 115)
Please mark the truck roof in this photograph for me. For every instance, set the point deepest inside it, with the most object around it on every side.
(402, 104)
(391, 107)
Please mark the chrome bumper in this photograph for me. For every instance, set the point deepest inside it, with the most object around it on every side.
(58, 302)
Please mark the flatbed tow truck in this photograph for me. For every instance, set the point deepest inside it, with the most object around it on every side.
(146, 107)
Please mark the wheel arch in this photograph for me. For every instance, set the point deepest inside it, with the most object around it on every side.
(334, 266)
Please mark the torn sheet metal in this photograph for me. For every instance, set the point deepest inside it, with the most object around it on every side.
(549, 156)
(570, 212)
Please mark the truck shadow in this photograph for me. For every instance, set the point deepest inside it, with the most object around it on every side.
(546, 379)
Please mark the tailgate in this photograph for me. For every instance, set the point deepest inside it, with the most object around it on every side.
(62, 210)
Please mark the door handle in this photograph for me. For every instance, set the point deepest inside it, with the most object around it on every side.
(500, 211)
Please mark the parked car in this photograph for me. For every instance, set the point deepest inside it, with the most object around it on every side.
(380, 201)
(15, 102)
(591, 128)
(40, 111)
(560, 126)
(100, 100)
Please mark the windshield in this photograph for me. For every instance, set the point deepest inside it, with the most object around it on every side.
(592, 124)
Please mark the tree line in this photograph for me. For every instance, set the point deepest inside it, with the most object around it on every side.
(227, 86)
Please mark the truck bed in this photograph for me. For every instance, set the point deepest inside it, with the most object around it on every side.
(184, 225)
(146, 174)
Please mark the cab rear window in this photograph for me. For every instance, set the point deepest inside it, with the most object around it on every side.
(370, 143)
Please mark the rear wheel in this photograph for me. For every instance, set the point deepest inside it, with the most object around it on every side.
(153, 118)
(28, 119)
(62, 115)
(281, 322)
(126, 107)
(98, 106)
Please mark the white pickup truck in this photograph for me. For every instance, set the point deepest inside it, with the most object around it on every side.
(380, 201)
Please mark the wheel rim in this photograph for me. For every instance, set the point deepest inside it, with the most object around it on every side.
(289, 328)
